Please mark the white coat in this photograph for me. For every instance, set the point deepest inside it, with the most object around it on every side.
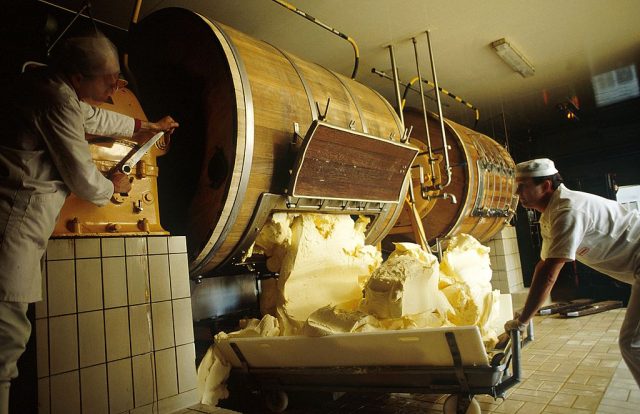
(43, 157)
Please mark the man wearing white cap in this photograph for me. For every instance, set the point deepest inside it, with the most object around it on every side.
(596, 231)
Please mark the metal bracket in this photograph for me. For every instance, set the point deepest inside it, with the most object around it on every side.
(407, 133)
(297, 138)
(323, 115)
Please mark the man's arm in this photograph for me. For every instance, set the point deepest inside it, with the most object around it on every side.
(544, 277)
(98, 121)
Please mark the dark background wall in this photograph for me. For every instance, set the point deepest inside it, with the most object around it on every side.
(592, 153)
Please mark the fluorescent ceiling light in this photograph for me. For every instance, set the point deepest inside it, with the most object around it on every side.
(513, 58)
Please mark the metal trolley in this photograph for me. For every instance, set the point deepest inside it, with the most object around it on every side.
(255, 363)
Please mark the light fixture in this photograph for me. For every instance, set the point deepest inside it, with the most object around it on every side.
(513, 58)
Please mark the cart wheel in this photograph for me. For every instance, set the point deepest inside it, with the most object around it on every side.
(276, 401)
(451, 405)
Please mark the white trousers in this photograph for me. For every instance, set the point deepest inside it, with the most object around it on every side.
(14, 335)
(630, 332)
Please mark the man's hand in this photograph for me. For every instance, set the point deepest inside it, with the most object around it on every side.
(121, 183)
(166, 124)
(515, 324)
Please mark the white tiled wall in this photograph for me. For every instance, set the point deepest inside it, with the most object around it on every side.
(505, 261)
(114, 330)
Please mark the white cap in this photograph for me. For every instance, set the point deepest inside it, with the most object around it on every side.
(540, 167)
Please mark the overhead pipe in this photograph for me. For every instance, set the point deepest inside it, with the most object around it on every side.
(383, 74)
(396, 84)
(447, 165)
(329, 28)
(432, 162)
(451, 95)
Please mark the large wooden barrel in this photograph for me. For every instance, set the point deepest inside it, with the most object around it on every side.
(483, 183)
(239, 102)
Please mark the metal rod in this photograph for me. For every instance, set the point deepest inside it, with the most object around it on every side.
(424, 112)
(446, 92)
(55, 42)
(447, 167)
(384, 75)
(48, 3)
(396, 84)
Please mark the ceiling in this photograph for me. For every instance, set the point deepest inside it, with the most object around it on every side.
(567, 41)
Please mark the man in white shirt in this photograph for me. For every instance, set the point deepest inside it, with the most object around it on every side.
(596, 231)
(43, 157)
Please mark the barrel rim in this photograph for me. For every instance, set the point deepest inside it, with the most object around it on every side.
(244, 157)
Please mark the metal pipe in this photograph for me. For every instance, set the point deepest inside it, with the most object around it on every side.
(446, 92)
(424, 112)
(55, 42)
(447, 167)
(383, 74)
(396, 84)
(329, 28)
(136, 11)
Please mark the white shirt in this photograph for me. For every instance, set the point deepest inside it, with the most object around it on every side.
(593, 230)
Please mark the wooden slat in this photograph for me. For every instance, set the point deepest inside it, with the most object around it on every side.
(344, 165)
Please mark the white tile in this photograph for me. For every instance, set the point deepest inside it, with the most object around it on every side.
(91, 338)
(162, 317)
(61, 289)
(41, 306)
(186, 361)
(43, 396)
(86, 248)
(181, 401)
(166, 373)
(143, 379)
(498, 262)
(42, 347)
(501, 285)
(60, 249)
(177, 244)
(151, 409)
(499, 247)
(499, 275)
(63, 343)
(179, 268)
(112, 246)
(89, 284)
(135, 246)
(65, 393)
(116, 322)
(138, 280)
(160, 278)
(114, 280)
(141, 335)
(157, 245)
(120, 386)
(95, 395)
(182, 321)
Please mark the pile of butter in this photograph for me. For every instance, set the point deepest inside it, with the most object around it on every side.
(331, 282)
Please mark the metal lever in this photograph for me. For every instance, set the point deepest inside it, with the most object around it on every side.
(135, 155)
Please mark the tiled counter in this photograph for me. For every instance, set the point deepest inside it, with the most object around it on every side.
(114, 331)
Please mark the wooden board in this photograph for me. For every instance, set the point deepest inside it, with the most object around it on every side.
(417, 347)
(340, 164)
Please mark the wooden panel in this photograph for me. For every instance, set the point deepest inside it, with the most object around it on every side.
(343, 165)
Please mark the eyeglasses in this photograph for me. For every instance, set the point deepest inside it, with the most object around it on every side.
(113, 80)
